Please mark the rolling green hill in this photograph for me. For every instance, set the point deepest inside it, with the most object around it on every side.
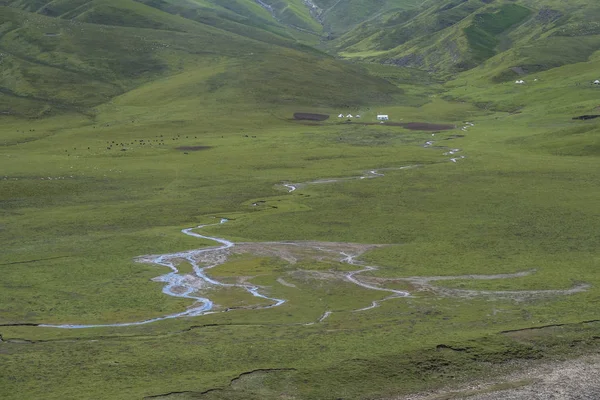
(83, 58)
(270, 15)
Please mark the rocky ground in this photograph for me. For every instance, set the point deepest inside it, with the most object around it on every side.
(577, 379)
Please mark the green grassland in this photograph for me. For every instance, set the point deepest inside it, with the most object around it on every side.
(93, 176)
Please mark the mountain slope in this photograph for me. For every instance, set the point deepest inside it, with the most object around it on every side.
(453, 36)
(242, 16)
(340, 16)
(52, 63)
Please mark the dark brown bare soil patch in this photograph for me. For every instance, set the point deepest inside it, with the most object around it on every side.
(193, 148)
(310, 117)
(425, 126)
(586, 117)
(454, 137)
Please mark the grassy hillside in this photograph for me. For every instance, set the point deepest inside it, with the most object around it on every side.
(484, 33)
(453, 36)
(53, 64)
(341, 16)
(294, 13)
(241, 16)
(300, 19)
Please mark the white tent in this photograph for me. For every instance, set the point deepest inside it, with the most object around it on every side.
(341, 116)
(596, 82)
(520, 82)
(349, 116)
(382, 117)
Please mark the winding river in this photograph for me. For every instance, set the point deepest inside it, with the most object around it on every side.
(186, 286)
(178, 285)
(189, 285)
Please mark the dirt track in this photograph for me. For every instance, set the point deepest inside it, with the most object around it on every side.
(561, 380)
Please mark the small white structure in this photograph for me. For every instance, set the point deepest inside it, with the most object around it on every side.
(349, 116)
(382, 117)
(357, 115)
(341, 116)
(520, 82)
(596, 82)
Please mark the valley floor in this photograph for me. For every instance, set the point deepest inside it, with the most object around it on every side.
(491, 228)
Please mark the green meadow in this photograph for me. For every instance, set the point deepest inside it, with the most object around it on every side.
(196, 125)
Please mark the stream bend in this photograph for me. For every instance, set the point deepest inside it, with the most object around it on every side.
(177, 285)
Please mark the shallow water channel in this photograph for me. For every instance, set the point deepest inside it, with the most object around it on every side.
(177, 284)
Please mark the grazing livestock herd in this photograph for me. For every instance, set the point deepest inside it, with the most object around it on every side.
(160, 140)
